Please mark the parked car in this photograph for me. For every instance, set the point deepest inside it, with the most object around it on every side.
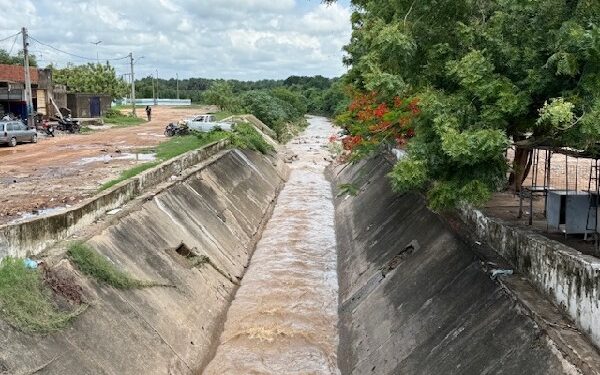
(206, 123)
(13, 132)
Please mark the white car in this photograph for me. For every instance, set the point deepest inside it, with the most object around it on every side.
(206, 123)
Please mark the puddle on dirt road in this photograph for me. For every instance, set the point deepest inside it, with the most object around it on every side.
(152, 135)
(284, 316)
(140, 157)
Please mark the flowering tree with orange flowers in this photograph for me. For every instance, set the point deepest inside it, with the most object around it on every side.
(371, 122)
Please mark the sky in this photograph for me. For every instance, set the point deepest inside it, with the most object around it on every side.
(232, 39)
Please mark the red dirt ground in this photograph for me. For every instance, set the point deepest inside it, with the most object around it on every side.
(55, 173)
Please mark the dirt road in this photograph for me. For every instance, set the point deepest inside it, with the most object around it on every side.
(63, 170)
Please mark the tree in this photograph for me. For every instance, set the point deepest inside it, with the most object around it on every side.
(482, 71)
(6, 58)
(91, 78)
(220, 93)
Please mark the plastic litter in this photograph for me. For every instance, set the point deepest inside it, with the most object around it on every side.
(497, 273)
(30, 263)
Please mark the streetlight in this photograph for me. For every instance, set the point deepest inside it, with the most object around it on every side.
(96, 44)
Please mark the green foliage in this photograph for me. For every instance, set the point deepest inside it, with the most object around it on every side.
(6, 58)
(245, 136)
(221, 94)
(557, 114)
(26, 303)
(347, 189)
(180, 145)
(91, 78)
(127, 174)
(471, 147)
(318, 94)
(408, 174)
(100, 268)
(118, 119)
(113, 112)
(448, 194)
(168, 150)
(487, 73)
(273, 111)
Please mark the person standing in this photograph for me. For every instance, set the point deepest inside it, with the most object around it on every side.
(149, 112)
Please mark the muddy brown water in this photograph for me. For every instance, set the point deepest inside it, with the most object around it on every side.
(283, 319)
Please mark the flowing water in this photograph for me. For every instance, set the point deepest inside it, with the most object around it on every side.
(283, 319)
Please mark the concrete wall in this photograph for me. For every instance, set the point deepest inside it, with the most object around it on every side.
(414, 298)
(33, 236)
(219, 212)
(569, 278)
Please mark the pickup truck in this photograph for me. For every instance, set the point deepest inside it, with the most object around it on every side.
(206, 123)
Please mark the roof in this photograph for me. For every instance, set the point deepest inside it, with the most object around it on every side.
(16, 73)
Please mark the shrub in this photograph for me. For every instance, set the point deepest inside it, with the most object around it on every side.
(111, 113)
(246, 137)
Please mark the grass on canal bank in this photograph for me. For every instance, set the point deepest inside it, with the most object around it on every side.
(100, 268)
(26, 302)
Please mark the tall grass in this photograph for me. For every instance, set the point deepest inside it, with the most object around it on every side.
(26, 302)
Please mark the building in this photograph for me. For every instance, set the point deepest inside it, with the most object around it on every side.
(12, 91)
(86, 105)
(12, 95)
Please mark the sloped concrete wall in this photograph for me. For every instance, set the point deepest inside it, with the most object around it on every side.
(31, 237)
(218, 212)
(413, 297)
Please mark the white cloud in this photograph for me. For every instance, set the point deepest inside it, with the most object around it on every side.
(243, 39)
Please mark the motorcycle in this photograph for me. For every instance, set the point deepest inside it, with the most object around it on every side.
(174, 129)
(48, 129)
(68, 124)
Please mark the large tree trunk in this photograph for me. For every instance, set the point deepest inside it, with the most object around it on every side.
(521, 168)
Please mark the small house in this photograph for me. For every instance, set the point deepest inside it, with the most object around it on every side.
(87, 105)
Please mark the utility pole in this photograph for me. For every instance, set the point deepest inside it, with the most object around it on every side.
(28, 94)
(132, 85)
(156, 101)
(177, 75)
(153, 90)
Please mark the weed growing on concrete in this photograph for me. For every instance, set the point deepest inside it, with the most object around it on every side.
(168, 150)
(246, 137)
(180, 145)
(127, 174)
(197, 261)
(26, 303)
(95, 265)
(349, 189)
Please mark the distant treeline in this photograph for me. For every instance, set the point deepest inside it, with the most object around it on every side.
(318, 94)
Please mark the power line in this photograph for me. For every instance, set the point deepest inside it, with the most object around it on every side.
(13, 45)
(72, 54)
(12, 36)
